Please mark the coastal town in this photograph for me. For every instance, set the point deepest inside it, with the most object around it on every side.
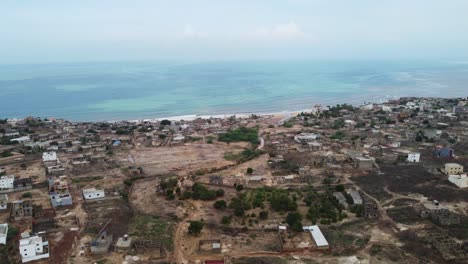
(376, 183)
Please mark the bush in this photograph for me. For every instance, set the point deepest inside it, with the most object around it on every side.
(195, 228)
(200, 192)
(340, 188)
(240, 134)
(27, 195)
(220, 204)
(263, 215)
(165, 122)
(226, 220)
(294, 220)
(338, 135)
(12, 232)
(249, 170)
(220, 192)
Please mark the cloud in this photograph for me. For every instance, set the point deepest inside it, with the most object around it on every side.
(190, 31)
(283, 31)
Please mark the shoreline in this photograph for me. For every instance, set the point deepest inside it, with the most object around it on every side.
(357, 102)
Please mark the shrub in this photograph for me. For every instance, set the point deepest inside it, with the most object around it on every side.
(195, 228)
(220, 204)
(27, 195)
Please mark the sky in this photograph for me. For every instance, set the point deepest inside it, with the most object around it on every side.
(34, 31)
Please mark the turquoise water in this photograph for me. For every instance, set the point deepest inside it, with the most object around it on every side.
(124, 90)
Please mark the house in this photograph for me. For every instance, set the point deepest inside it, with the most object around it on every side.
(22, 184)
(317, 236)
(341, 198)
(21, 210)
(414, 157)
(21, 140)
(453, 169)
(123, 244)
(444, 152)
(363, 163)
(3, 233)
(459, 180)
(33, 248)
(93, 193)
(50, 158)
(357, 199)
(306, 137)
(437, 213)
(7, 182)
(102, 243)
(11, 133)
(3, 201)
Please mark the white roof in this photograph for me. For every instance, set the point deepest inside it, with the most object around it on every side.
(317, 235)
(30, 240)
(91, 190)
(49, 156)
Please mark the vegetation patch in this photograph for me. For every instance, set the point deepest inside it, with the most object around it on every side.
(152, 228)
(240, 134)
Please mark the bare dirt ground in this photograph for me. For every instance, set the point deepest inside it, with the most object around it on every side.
(184, 159)
(144, 199)
(35, 170)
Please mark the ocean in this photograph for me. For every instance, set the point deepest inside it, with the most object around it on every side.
(140, 90)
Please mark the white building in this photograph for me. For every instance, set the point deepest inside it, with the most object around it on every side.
(453, 169)
(6, 182)
(317, 236)
(3, 233)
(3, 201)
(306, 137)
(22, 140)
(414, 157)
(459, 180)
(93, 193)
(357, 199)
(33, 248)
(50, 156)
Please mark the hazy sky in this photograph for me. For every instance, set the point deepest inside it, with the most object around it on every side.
(99, 30)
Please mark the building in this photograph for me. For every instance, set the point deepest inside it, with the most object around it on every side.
(453, 169)
(7, 182)
(363, 163)
(3, 201)
(414, 157)
(93, 193)
(22, 140)
(58, 191)
(3, 233)
(317, 236)
(33, 248)
(438, 213)
(123, 244)
(50, 158)
(102, 243)
(357, 199)
(306, 137)
(459, 180)
(444, 152)
(341, 198)
(21, 210)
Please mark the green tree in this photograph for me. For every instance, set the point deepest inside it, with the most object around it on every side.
(195, 228)
(340, 188)
(165, 122)
(220, 204)
(249, 170)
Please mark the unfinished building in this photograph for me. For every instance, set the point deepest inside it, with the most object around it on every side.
(438, 213)
(21, 210)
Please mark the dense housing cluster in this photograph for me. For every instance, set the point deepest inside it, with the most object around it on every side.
(382, 182)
